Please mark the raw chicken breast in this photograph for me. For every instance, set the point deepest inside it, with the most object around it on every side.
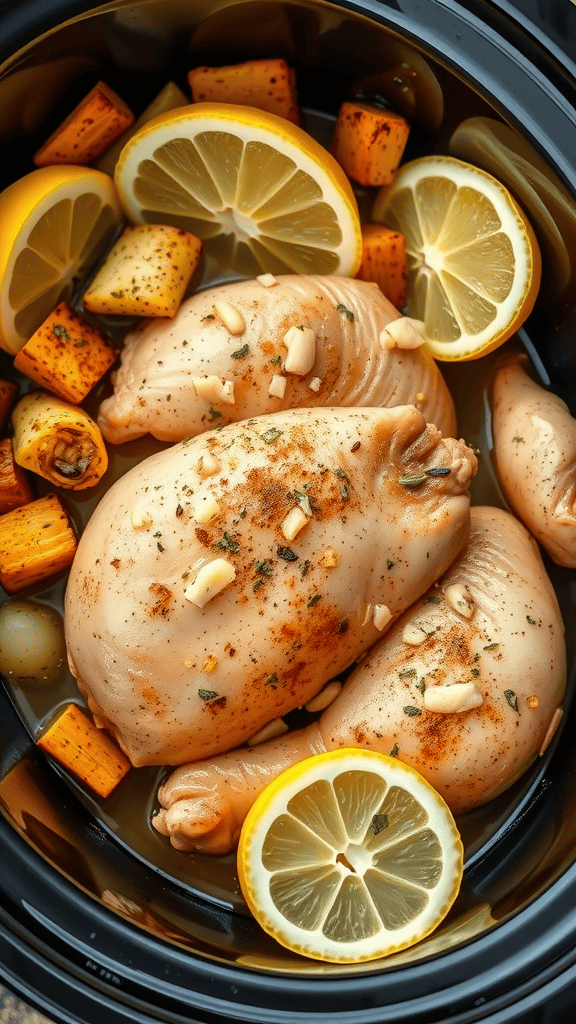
(535, 455)
(222, 582)
(180, 377)
(484, 648)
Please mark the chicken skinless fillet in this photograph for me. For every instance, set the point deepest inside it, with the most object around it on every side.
(535, 456)
(225, 357)
(508, 654)
(189, 629)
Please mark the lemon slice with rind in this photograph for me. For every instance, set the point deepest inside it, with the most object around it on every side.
(259, 191)
(474, 263)
(56, 222)
(349, 856)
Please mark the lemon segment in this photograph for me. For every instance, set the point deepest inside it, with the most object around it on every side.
(474, 264)
(349, 856)
(56, 222)
(259, 191)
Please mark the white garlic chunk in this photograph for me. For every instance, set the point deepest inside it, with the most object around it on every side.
(301, 345)
(267, 280)
(382, 616)
(413, 635)
(277, 386)
(404, 332)
(214, 389)
(326, 696)
(293, 522)
(141, 519)
(277, 727)
(455, 698)
(205, 508)
(329, 559)
(315, 384)
(230, 316)
(459, 599)
(211, 579)
(208, 466)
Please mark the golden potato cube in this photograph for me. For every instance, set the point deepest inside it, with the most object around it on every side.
(36, 542)
(268, 84)
(369, 142)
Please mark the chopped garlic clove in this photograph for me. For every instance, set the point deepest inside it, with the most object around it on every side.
(301, 345)
(293, 522)
(214, 389)
(326, 696)
(277, 387)
(315, 384)
(208, 466)
(459, 599)
(230, 316)
(141, 519)
(382, 616)
(452, 699)
(267, 280)
(329, 559)
(413, 635)
(211, 579)
(205, 508)
(402, 333)
(277, 727)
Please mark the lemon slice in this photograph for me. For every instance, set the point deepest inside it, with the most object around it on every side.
(349, 856)
(473, 260)
(56, 221)
(259, 191)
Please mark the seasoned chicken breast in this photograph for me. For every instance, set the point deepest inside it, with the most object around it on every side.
(224, 357)
(465, 687)
(222, 582)
(535, 456)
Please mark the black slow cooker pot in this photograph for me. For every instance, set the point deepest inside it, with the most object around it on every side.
(92, 927)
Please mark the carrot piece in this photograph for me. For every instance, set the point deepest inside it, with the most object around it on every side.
(59, 441)
(8, 392)
(168, 98)
(384, 261)
(14, 487)
(146, 273)
(36, 542)
(368, 142)
(97, 121)
(267, 84)
(78, 745)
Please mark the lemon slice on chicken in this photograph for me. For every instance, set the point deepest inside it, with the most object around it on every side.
(259, 191)
(349, 856)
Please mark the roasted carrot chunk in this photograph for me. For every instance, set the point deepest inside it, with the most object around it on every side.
(267, 84)
(368, 142)
(8, 392)
(89, 753)
(384, 261)
(14, 487)
(66, 355)
(36, 542)
(97, 121)
(146, 273)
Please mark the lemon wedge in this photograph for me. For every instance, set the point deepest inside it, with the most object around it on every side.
(473, 260)
(349, 856)
(259, 191)
(56, 222)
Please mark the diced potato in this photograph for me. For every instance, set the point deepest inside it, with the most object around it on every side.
(66, 355)
(36, 542)
(384, 261)
(368, 142)
(14, 487)
(78, 745)
(267, 84)
(97, 121)
(169, 98)
(146, 273)
(8, 392)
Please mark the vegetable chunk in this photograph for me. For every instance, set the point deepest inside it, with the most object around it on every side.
(36, 542)
(267, 84)
(384, 262)
(78, 745)
(14, 487)
(368, 142)
(97, 121)
(59, 441)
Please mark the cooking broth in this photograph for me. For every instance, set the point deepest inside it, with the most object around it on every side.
(360, 61)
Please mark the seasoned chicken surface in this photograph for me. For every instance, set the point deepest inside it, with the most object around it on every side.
(183, 376)
(535, 455)
(222, 582)
(465, 687)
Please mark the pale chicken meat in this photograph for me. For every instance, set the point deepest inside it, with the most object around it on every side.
(244, 349)
(535, 457)
(465, 687)
(220, 583)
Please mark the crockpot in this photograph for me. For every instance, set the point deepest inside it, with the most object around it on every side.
(92, 926)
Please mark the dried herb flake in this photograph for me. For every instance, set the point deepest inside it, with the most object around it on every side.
(347, 312)
(412, 712)
(512, 699)
(269, 436)
(227, 543)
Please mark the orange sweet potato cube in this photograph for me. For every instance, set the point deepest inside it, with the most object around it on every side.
(368, 142)
(77, 744)
(97, 121)
(267, 84)
(384, 261)
(66, 355)
(14, 487)
(36, 542)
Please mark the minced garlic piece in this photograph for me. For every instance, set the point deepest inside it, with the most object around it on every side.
(315, 384)
(382, 616)
(267, 280)
(301, 345)
(452, 699)
(277, 727)
(329, 559)
(277, 386)
(214, 389)
(209, 663)
(293, 522)
(413, 635)
(205, 508)
(458, 598)
(141, 519)
(402, 333)
(208, 466)
(211, 579)
(230, 316)
(326, 696)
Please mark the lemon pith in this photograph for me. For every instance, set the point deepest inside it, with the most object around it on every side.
(349, 856)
